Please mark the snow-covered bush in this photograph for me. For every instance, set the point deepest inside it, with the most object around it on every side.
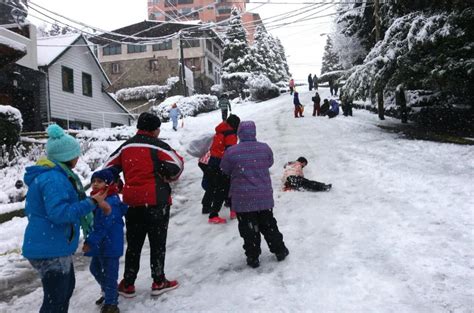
(261, 88)
(107, 134)
(10, 128)
(235, 83)
(189, 106)
(146, 92)
(216, 90)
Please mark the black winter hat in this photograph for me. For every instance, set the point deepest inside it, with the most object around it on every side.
(233, 121)
(302, 160)
(148, 122)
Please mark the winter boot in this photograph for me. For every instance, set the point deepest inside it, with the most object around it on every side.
(125, 290)
(282, 255)
(327, 187)
(100, 301)
(253, 262)
(110, 308)
(217, 220)
(159, 288)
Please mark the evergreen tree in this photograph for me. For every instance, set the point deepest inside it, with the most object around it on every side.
(236, 52)
(285, 69)
(264, 54)
(330, 58)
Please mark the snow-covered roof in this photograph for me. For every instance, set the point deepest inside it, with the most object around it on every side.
(12, 44)
(49, 48)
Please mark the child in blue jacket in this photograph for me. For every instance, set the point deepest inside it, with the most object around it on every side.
(105, 242)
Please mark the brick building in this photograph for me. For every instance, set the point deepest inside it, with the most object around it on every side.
(204, 10)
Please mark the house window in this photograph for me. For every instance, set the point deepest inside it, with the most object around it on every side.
(191, 43)
(68, 79)
(210, 67)
(216, 51)
(111, 49)
(115, 68)
(185, 1)
(80, 124)
(136, 48)
(114, 124)
(86, 84)
(209, 45)
(167, 45)
(171, 3)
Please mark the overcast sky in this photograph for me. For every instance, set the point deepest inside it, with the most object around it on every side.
(302, 41)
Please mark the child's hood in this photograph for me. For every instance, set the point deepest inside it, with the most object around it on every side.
(43, 165)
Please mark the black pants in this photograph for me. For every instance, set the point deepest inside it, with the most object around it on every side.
(140, 222)
(217, 191)
(331, 114)
(298, 182)
(224, 114)
(252, 224)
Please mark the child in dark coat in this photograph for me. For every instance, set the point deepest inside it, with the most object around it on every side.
(293, 177)
(298, 105)
(105, 242)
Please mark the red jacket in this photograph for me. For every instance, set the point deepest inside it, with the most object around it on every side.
(148, 165)
(225, 137)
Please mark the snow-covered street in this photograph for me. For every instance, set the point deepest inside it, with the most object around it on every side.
(395, 234)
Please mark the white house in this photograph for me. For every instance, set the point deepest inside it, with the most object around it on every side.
(76, 84)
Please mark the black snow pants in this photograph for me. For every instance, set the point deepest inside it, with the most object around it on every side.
(140, 222)
(252, 224)
(217, 191)
(298, 182)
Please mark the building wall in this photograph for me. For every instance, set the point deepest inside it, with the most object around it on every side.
(100, 110)
(30, 60)
(136, 70)
(211, 13)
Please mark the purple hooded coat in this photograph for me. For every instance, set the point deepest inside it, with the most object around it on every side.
(248, 165)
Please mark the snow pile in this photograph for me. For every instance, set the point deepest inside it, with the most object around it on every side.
(107, 134)
(261, 88)
(189, 106)
(146, 92)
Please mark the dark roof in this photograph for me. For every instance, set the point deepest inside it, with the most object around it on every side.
(150, 28)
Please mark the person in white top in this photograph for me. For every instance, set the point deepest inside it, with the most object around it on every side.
(293, 177)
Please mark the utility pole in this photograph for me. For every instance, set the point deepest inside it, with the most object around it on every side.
(183, 72)
(378, 36)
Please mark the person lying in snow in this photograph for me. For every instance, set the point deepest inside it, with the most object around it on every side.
(293, 177)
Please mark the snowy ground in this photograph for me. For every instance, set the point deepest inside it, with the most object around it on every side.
(395, 234)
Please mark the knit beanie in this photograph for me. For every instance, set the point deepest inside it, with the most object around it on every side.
(302, 160)
(148, 122)
(234, 121)
(61, 146)
(107, 175)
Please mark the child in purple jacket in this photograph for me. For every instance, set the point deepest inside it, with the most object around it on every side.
(251, 192)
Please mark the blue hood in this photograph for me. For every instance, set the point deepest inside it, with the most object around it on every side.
(247, 131)
(34, 171)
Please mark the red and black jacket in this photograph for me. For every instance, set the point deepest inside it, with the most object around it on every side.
(148, 165)
(225, 137)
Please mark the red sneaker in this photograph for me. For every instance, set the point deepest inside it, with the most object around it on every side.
(126, 291)
(159, 288)
(233, 215)
(217, 220)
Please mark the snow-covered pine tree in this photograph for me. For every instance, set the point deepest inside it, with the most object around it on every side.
(236, 52)
(285, 69)
(264, 54)
(330, 58)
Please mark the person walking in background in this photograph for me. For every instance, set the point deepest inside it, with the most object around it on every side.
(293, 177)
(315, 82)
(298, 105)
(331, 86)
(224, 105)
(310, 82)
(336, 88)
(251, 192)
(218, 182)
(175, 113)
(316, 104)
(292, 86)
(55, 203)
(105, 242)
(149, 165)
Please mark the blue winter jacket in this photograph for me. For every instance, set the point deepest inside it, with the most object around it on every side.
(54, 211)
(334, 106)
(106, 238)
